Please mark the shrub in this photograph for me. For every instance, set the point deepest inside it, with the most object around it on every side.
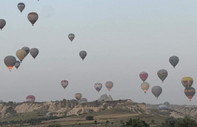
(89, 117)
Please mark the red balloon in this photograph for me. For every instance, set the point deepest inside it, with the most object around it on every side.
(143, 76)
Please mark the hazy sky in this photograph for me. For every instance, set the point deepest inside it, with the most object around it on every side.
(122, 39)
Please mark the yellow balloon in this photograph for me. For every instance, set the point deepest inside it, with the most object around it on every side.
(187, 82)
(21, 54)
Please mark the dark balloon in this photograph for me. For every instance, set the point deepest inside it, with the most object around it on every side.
(174, 60)
(10, 61)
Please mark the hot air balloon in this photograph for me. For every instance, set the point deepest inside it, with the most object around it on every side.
(10, 61)
(187, 82)
(162, 74)
(82, 54)
(71, 36)
(78, 96)
(32, 17)
(30, 98)
(98, 86)
(21, 6)
(34, 52)
(163, 107)
(2, 23)
(21, 54)
(166, 103)
(174, 60)
(83, 100)
(109, 85)
(145, 86)
(26, 49)
(64, 83)
(143, 76)
(190, 92)
(17, 64)
(156, 90)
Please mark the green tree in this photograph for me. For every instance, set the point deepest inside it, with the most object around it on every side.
(187, 121)
(136, 122)
(169, 122)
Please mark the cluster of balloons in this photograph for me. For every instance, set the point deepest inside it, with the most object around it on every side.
(82, 53)
(97, 86)
(32, 16)
(144, 85)
(108, 85)
(187, 83)
(162, 74)
(10, 61)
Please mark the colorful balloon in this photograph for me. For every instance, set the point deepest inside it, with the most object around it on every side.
(162, 74)
(64, 83)
(143, 76)
(145, 86)
(32, 17)
(156, 90)
(187, 82)
(190, 92)
(98, 86)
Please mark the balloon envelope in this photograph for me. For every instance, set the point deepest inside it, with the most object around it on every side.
(26, 49)
(21, 6)
(166, 103)
(163, 107)
(2, 23)
(32, 17)
(162, 74)
(143, 76)
(82, 54)
(190, 92)
(145, 86)
(30, 98)
(21, 54)
(71, 36)
(98, 86)
(78, 96)
(10, 61)
(17, 64)
(34, 52)
(174, 60)
(109, 85)
(187, 82)
(83, 100)
(64, 83)
(156, 90)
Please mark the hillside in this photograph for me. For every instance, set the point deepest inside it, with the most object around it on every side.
(67, 110)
